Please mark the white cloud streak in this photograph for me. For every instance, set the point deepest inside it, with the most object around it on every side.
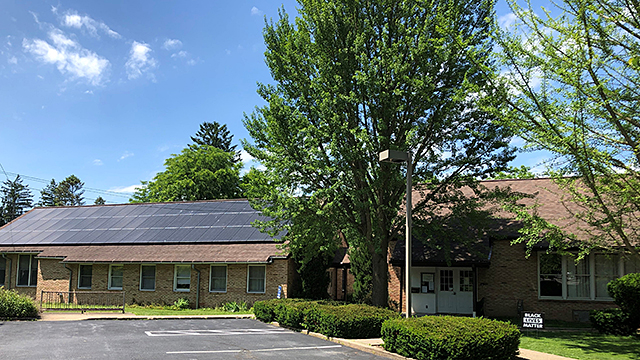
(127, 189)
(69, 57)
(255, 11)
(97, 162)
(125, 155)
(172, 44)
(506, 21)
(12, 60)
(83, 22)
(140, 61)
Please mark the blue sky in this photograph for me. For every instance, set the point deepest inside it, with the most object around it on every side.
(108, 90)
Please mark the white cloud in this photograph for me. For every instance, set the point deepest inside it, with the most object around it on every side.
(71, 19)
(172, 44)
(127, 189)
(506, 21)
(69, 57)
(89, 92)
(97, 162)
(180, 54)
(191, 62)
(227, 51)
(126, 155)
(246, 157)
(255, 11)
(12, 60)
(140, 61)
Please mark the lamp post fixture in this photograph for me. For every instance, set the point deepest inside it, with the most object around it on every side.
(398, 157)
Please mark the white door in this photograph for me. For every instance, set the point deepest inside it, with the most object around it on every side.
(455, 291)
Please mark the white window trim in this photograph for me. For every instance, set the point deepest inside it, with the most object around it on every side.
(175, 278)
(154, 277)
(265, 279)
(85, 288)
(226, 278)
(592, 279)
(31, 258)
(109, 286)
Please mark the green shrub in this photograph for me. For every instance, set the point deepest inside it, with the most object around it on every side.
(625, 291)
(265, 310)
(451, 338)
(354, 321)
(233, 306)
(182, 304)
(14, 305)
(612, 321)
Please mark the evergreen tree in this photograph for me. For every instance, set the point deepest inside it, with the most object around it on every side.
(48, 195)
(69, 192)
(99, 201)
(216, 135)
(16, 199)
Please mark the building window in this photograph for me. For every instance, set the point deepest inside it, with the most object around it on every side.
(182, 280)
(256, 282)
(550, 274)
(84, 277)
(3, 269)
(116, 273)
(578, 279)
(27, 270)
(607, 267)
(218, 281)
(147, 277)
(446, 280)
(466, 280)
(631, 265)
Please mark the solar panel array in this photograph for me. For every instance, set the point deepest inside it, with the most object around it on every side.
(177, 222)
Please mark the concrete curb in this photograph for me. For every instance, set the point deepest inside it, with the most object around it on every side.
(84, 317)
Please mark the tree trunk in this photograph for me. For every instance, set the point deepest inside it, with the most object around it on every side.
(380, 291)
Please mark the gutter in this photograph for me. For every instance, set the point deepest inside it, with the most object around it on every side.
(6, 258)
(197, 288)
(70, 278)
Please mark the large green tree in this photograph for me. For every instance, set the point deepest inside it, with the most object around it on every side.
(574, 88)
(68, 192)
(199, 172)
(353, 78)
(216, 135)
(15, 199)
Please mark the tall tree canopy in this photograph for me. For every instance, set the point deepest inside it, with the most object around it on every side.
(353, 78)
(68, 192)
(216, 135)
(574, 84)
(15, 199)
(199, 172)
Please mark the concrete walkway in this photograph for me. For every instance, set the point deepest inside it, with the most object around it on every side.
(373, 346)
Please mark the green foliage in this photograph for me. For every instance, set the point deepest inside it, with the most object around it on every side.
(522, 172)
(216, 135)
(99, 201)
(353, 321)
(612, 321)
(69, 192)
(233, 306)
(15, 199)
(449, 338)
(351, 79)
(16, 306)
(326, 317)
(198, 173)
(182, 304)
(625, 291)
(314, 276)
(573, 92)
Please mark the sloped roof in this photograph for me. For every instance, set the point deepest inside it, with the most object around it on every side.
(201, 222)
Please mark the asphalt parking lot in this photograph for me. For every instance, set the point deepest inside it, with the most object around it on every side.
(164, 339)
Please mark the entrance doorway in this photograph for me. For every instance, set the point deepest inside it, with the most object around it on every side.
(455, 291)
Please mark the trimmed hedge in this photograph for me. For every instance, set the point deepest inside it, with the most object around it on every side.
(15, 306)
(612, 321)
(451, 338)
(625, 291)
(329, 318)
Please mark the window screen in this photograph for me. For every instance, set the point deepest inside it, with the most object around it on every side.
(256, 279)
(218, 281)
(147, 277)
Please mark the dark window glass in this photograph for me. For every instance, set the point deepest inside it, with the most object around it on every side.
(256, 279)
(446, 280)
(3, 267)
(148, 277)
(218, 278)
(27, 270)
(85, 277)
(183, 277)
(550, 275)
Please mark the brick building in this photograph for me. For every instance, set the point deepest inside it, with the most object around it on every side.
(496, 279)
(206, 251)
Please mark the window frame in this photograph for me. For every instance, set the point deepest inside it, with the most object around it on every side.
(109, 284)
(80, 276)
(154, 277)
(175, 278)
(3, 261)
(264, 283)
(30, 275)
(226, 278)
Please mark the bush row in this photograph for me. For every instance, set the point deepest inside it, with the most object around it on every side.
(14, 305)
(354, 321)
(451, 338)
(625, 292)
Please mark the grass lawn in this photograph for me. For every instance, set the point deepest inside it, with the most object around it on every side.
(583, 345)
(145, 311)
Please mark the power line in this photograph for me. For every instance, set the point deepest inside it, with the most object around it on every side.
(89, 189)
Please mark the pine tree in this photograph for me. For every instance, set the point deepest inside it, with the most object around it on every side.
(47, 195)
(16, 199)
(216, 135)
(69, 192)
(99, 201)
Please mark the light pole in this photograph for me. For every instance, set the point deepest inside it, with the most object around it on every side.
(398, 157)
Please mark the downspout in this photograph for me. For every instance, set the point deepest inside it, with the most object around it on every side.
(9, 259)
(198, 288)
(70, 277)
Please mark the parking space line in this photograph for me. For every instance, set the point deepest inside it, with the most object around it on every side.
(215, 332)
(256, 350)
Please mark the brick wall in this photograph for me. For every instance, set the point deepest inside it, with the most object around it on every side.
(11, 279)
(52, 276)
